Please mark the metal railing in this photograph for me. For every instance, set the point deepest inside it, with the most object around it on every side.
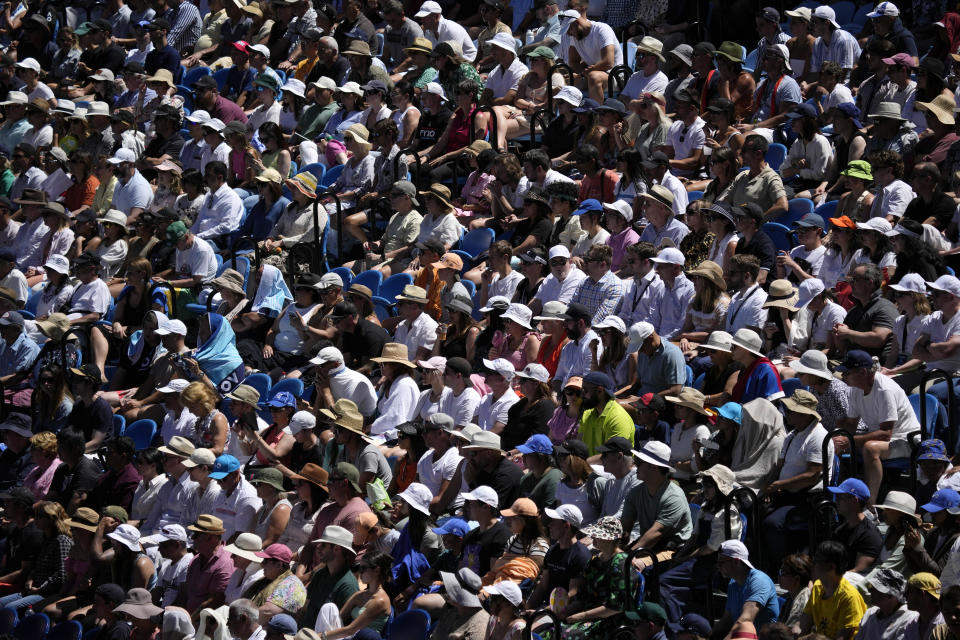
(951, 406)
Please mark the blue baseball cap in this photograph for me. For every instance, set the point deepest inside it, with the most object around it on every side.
(856, 359)
(588, 105)
(588, 205)
(691, 623)
(223, 466)
(283, 399)
(802, 110)
(852, 111)
(810, 220)
(731, 411)
(933, 449)
(853, 487)
(284, 624)
(453, 526)
(538, 443)
(942, 499)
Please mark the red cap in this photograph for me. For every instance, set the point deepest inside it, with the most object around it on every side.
(276, 551)
(242, 45)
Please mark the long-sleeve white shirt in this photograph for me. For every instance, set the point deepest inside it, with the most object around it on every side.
(220, 213)
(396, 407)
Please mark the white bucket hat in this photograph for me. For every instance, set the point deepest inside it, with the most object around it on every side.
(814, 363)
(748, 339)
(519, 313)
(900, 501)
(654, 452)
(246, 546)
(418, 496)
(718, 341)
(127, 535)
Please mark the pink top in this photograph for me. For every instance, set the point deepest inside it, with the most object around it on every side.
(38, 480)
(472, 192)
(562, 426)
(333, 148)
(619, 244)
(516, 357)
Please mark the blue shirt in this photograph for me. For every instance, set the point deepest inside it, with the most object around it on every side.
(764, 382)
(18, 356)
(663, 369)
(602, 297)
(135, 193)
(167, 58)
(238, 80)
(129, 98)
(185, 29)
(758, 588)
(673, 308)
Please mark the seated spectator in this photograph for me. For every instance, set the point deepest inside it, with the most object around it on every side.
(760, 185)
(751, 594)
(656, 509)
(678, 292)
(868, 325)
(836, 616)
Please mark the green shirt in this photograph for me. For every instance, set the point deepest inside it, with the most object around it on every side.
(6, 182)
(543, 491)
(314, 119)
(595, 429)
(668, 506)
(326, 588)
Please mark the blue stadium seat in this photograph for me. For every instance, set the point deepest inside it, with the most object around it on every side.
(32, 627)
(194, 74)
(382, 307)
(293, 385)
(119, 423)
(393, 286)
(477, 241)
(776, 154)
(261, 382)
(780, 234)
(69, 630)
(345, 274)
(410, 625)
(790, 385)
(796, 209)
(372, 279)
(317, 169)
(331, 176)
(8, 620)
(693, 196)
(141, 432)
(827, 210)
(221, 78)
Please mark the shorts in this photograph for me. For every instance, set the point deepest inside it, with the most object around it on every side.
(899, 449)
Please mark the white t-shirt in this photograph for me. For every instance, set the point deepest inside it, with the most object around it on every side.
(746, 309)
(815, 258)
(422, 333)
(433, 472)
(685, 139)
(16, 282)
(583, 245)
(839, 95)
(197, 260)
(886, 402)
(461, 408)
(681, 444)
(590, 48)
(941, 332)
(638, 84)
(906, 339)
(801, 448)
(91, 298)
(553, 289)
(491, 411)
(505, 286)
(446, 229)
(892, 627)
(501, 81)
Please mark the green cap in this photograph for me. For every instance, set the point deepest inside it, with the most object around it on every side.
(176, 230)
(267, 80)
(858, 169)
(731, 51)
(116, 512)
(542, 52)
(649, 611)
(268, 475)
(348, 472)
(83, 29)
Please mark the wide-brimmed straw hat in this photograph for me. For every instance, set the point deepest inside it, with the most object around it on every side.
(691, 399)
(394, 352)
(942, 107)
(712, 272)
(440, 192)
(802, 401)
(782, 294)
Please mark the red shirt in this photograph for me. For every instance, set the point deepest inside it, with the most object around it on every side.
(600, 187)
(207, 577)
(227, 111)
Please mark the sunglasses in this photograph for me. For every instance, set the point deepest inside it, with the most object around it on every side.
(558, 262)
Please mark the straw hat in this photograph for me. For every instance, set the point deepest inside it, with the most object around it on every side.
(722, 476)
(84, 518)
(207, 524)
(163, 75)
(413, 293)
(941, 107)
(651, 46)
(890, 111)
(802, 401)
(420, 45)
(229, 280)
(394, 352)
(359, 133)
(314, 474)
(712, 272)
(441, 193)
(55, 326)
(748, 340)
(351, 421)
(782, 294)
(689, 398)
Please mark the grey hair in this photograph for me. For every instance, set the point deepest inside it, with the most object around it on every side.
(330, 43)
(245, 609)
(873, 272)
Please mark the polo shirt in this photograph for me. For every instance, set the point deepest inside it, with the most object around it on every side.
(661, 370)
(670, 315)
(237, 508)
(761, 246)
(167, 58)
(501, 81)
(758, 588)
(315, 118)
(763, 189)
(877, 313)
(619, 243)
(892, 200)
(553, 289)
(450, 30)
(746, 309)
(18, 356)
(422, 332)
(227, 111)
(207, 577)
(668, 507)
(491, 411)
(596, 428)
(135, 193)
(673, 230)
(325, 588)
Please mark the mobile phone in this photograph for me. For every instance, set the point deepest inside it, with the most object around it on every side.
(249, 419)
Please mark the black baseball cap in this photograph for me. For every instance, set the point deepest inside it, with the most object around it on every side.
(616, 444)
(573, 448)
(460, 365)
(576, 311)
(432, 244)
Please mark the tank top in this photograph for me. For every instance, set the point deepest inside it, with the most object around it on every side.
(460, 130)
(263, 517)
(549, 354)
(273, 435)
(397, 116)
(204, 430)
(719, 249)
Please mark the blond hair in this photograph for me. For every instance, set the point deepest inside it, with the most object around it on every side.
(46, 442)
(199, 393)
(54, 514)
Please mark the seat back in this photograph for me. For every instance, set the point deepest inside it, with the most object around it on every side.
(371, 279)
(780, 234)
(693, 196)
(382, 307)
(293, 385)
(776, 154)
(8, 620)
(790, 385)
(119, 425)
(317, 169)
(33, 627)
(933, 409)
(393, 286)
(796, 209)
(410, 625)
(477, 241)
(142, 433)
(331, 176)
(827, 210)
(262, 383)
(69, 630)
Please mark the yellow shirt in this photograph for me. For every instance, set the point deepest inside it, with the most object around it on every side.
(597, 428)
(842, 610)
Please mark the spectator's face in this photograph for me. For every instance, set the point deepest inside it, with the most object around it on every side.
(591, 395)
(862, 285)
(205, 543)
(496, 382)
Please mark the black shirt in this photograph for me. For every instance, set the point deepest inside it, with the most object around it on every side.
(559, 138)
(941, 207)
(338, 71)
(762, 247)
(565, 564)
(159, 147)
(87, 419)
(481, 548)
(879, 313)
(505, 480)
(365, 342)
(14, 466)
(861, 539)
(715, 380)
(524, 421)
(300, 455)
(66, 481)
(113, 58)
(539, 229)
(431, 127)
(22, 544)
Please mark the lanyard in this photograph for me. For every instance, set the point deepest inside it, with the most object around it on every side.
(636, 296)
(703, 92)
(773, 98)
(743, 302)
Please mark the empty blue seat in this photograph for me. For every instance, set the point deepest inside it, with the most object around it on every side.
(776, 154)
(261, 382)
(293, 385)
(142, 433)
(393, 286)
(345, 274)
(477, 241)
(370, 279)
(32, 627)
(780, 234)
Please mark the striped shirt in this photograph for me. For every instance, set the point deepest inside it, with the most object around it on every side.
(186, 27)
(843, 49)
